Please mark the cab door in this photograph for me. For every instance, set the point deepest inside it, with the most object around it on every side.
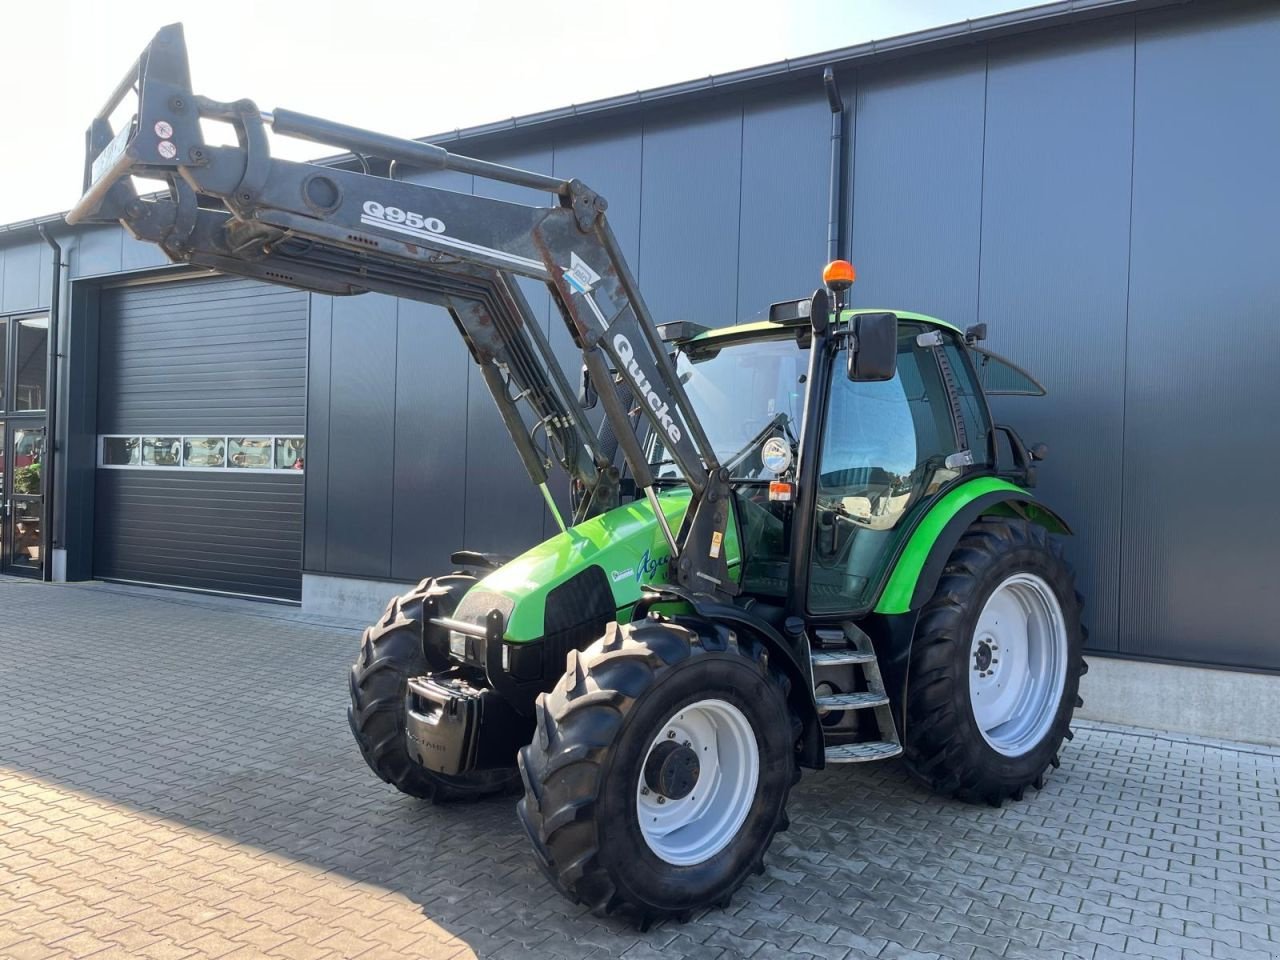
(889, 449)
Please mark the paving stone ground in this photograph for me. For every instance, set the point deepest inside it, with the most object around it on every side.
(177, 780)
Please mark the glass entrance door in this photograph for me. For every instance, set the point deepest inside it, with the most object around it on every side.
(21, 499)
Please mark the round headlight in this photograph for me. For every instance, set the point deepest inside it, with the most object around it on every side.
(776, 455)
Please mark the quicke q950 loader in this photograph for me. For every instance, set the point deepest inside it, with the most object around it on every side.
(791, 542)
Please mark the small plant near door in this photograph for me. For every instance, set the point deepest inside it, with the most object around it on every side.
(27, 479)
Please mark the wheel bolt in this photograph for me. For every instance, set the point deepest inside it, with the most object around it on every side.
(644, 791)
(687, 743)
(671, 734)
(661, 799)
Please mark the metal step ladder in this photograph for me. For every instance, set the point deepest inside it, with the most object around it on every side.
(849, 646)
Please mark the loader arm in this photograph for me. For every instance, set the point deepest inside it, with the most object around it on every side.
(240, 211)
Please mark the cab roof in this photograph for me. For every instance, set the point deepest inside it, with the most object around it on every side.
(746, 331)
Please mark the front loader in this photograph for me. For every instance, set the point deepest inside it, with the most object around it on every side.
(791, 543)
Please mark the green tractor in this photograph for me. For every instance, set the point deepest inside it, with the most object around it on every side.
(793, 542)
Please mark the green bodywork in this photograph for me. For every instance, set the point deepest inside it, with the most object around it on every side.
(626, 543)
(629, 546)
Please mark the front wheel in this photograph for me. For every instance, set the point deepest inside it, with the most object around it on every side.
(995, 665)
(660, 769)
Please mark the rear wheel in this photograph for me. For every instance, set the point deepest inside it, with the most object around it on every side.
(391, 653)
(995, 665)
(660, 770)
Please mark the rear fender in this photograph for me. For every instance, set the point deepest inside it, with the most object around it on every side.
(892, 625)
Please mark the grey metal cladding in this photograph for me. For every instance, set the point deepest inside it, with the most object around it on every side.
(917, 186)
(96, 252)
(24, 283)
(1201, 531)
(231, 531)
(689, 214)
(786, 151)
(428, 493)
(211, 355)
(361, 442)
(1054, 275)
(319, 371)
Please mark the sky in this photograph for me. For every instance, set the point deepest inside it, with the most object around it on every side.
(405, 67)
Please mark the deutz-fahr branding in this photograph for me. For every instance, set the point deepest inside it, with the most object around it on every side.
(627, 355)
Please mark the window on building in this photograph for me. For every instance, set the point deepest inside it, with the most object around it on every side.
(290, 453)
(252, 453)
(204, 452)
(31, 357)
(120, 451)
(165, 451)
(161, 451)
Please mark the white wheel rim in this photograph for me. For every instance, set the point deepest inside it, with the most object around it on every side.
(1018, 664)
(696, 827)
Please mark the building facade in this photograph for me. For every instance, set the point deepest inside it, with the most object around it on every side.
(1094, 181)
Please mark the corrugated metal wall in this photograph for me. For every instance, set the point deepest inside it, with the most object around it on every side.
(1103, 197)
(210, 356)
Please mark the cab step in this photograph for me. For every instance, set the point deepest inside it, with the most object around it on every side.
(844, 660)
(863, 752)
(851, 701)
(835, 658)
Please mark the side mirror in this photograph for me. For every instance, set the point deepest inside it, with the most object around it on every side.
(875, 351)
(587, 396)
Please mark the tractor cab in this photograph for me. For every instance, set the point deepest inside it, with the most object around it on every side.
(887, 449)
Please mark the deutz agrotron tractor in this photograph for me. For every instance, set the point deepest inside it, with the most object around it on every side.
(791, 543)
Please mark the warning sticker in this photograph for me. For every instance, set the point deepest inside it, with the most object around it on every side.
(166, 149)
(580, 276)
(164, 130)
(716, 539)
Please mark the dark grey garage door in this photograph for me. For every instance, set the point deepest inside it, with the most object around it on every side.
(201, 419)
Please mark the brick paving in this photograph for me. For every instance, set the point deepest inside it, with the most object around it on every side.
(177, 780)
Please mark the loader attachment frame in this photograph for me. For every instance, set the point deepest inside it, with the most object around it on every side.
(337, 231)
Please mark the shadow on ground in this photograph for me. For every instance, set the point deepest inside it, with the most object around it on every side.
(229, 717)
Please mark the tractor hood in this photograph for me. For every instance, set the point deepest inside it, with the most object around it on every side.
(626, 545)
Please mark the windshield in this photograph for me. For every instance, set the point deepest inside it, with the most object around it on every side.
(744, 394)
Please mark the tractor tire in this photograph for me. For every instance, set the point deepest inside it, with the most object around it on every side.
(391, 653)
(644, 721)
(995, 665)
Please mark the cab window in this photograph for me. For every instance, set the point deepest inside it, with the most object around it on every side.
(884, 451)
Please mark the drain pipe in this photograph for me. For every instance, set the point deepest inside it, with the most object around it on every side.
(836, 189)
(47, 474)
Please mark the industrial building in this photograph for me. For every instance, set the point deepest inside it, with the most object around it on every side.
(1094, 180)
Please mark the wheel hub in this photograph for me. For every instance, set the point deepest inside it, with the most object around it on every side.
(698, 782)
(984, 657)
(672, 770)
(1018, 664)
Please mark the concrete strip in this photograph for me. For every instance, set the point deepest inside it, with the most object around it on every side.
(1207, 703)
(347, 598)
